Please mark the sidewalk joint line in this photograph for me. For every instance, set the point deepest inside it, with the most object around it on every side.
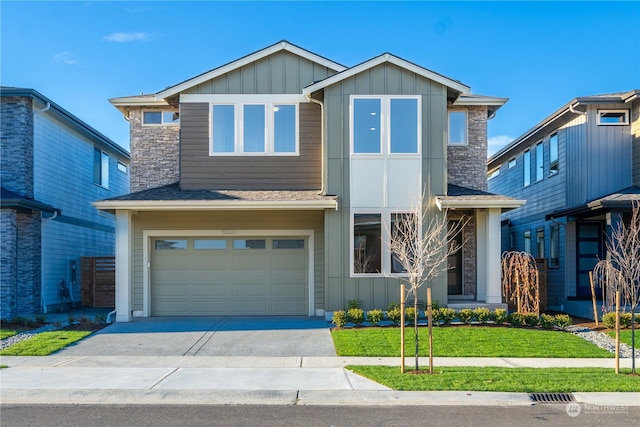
(162, 378)
(66, 362)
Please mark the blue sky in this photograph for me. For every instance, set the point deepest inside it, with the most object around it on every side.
(541, 55)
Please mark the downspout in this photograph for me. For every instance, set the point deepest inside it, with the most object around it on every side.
(42, 299)
(323, 190)
(44, 109)
(582, 113)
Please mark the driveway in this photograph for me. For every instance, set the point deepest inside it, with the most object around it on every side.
(281, 336)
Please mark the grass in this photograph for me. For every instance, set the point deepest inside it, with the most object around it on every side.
(625, 337)
(524, 380)
(469, 341)
(6, 333)
(45, 343)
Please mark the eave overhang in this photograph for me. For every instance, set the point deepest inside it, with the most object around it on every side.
(445, 202)
(213, 205)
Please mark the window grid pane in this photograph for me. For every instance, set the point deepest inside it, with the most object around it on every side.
(527, 168)
(367, 243)
(457, 127)
(366, 125)
(254, 129)
(404, 125)
(284, 128)
(539, 162)
(223, 129)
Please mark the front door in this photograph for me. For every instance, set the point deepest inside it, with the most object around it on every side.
(454, 273)
(589, 250)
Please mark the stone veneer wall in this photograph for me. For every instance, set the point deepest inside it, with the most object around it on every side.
(467, 164)
(8, 263)
(469, 250)
(16, 165)
(155, 153)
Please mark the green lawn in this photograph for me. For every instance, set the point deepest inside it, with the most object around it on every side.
(525, 380)
(625, 336)
(6, 333)
(465, 341)
(45, 343)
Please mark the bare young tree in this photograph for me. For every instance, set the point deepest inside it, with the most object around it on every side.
(623, 245)
(520, 281)
(420, 247)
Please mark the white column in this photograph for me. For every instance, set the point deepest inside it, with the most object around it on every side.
(493, 240)
(481, 255)
(123, 266)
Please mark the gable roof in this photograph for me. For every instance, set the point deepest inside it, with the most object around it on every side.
(392, 59)
(459, 197)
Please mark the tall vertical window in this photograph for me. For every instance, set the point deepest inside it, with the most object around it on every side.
(527, 241)
(100, 168)
(457, 127)
(540, 242)
(223, 128)
(367, 243)
(554, 246)
(284, 128)
(527, 168)
(553, 154)
(254, 129)
(539, 161)
(367, 125)
(404, 125)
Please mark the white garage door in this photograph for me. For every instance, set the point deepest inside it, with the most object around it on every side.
(207, 276)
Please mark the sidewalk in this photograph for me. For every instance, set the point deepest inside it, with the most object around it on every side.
(250, 380)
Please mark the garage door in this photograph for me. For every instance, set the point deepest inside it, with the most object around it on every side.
(225, 276)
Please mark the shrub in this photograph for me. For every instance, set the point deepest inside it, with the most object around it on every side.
(355, 316)
(339, 318)
(447, 314)
(482, 314)
(625, 320)
(531, 319)
(435, 305)
(547, 321)
(394, 315)
(354, 303)
(85, 322)
(465, 315)
(499, 316)
(71, 319)
(100, 318)
(393, 305)
(609, 320)
(41, 319)
(516, 319)
(563, 320)
(374, 316)
(409, 314)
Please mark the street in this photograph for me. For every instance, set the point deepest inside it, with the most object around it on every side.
(338, 416)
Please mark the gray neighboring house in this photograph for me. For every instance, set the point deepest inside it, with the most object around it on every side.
(53, 166)
(579, 171)
(265, 186)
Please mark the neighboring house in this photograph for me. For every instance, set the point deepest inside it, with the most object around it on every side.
(265, 186)
(53, 166)
(579, 170)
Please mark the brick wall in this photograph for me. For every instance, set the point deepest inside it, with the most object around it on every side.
(467, 164)
(155, 152)
(469, 250)
(16, 167)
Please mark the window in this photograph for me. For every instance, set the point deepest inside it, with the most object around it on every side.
(403, 224)
(287, 244)
(457, 127)
(160, 118)
(493, 173)
(554, 246)
(553, 154)
(512, 241)
(171, 244)
(264, 128)
(367, 243)
(540, 242)
(122, 167)
(527, 241)
(527, 168)
(382, 125)
(209, 244)
(539, 162)
(100, 168)
(249, 244)
(613, 117)
(512, 162)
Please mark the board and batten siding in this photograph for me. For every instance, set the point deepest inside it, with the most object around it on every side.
(384, 79)
(230, 220)
(200, 171)
(635, 134)
(63, 178)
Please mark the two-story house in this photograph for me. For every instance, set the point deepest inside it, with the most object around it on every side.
(53, 166)
(579, 171)
(265, 186)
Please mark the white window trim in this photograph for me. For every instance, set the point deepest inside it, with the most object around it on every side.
(624, 123)
(466, 127)
(123, 167)
(238, 102)
(162, 123)
(105, 160)
(512, 163)
(385, 123)
(539, 160)
(385, 252)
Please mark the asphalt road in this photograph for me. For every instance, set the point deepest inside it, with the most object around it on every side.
(338, 416)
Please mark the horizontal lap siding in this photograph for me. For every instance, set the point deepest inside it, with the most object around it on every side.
(201, 171)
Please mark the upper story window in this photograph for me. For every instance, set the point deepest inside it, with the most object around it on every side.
(512, 162)
(100, 168)
(527, 168)
(613, 117)
(553, 154)
(493, 173)
(160, 118)
(261, 128)
(123, 167)
(539, 161)
(457, 127)
(385, 125)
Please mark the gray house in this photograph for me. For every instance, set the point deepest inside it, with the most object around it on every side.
(579, 170)
(53, 166)
(264, 186)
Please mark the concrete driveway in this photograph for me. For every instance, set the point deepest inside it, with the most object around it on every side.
(278, 336)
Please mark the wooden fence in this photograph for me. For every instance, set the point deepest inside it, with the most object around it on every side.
(99, 281)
